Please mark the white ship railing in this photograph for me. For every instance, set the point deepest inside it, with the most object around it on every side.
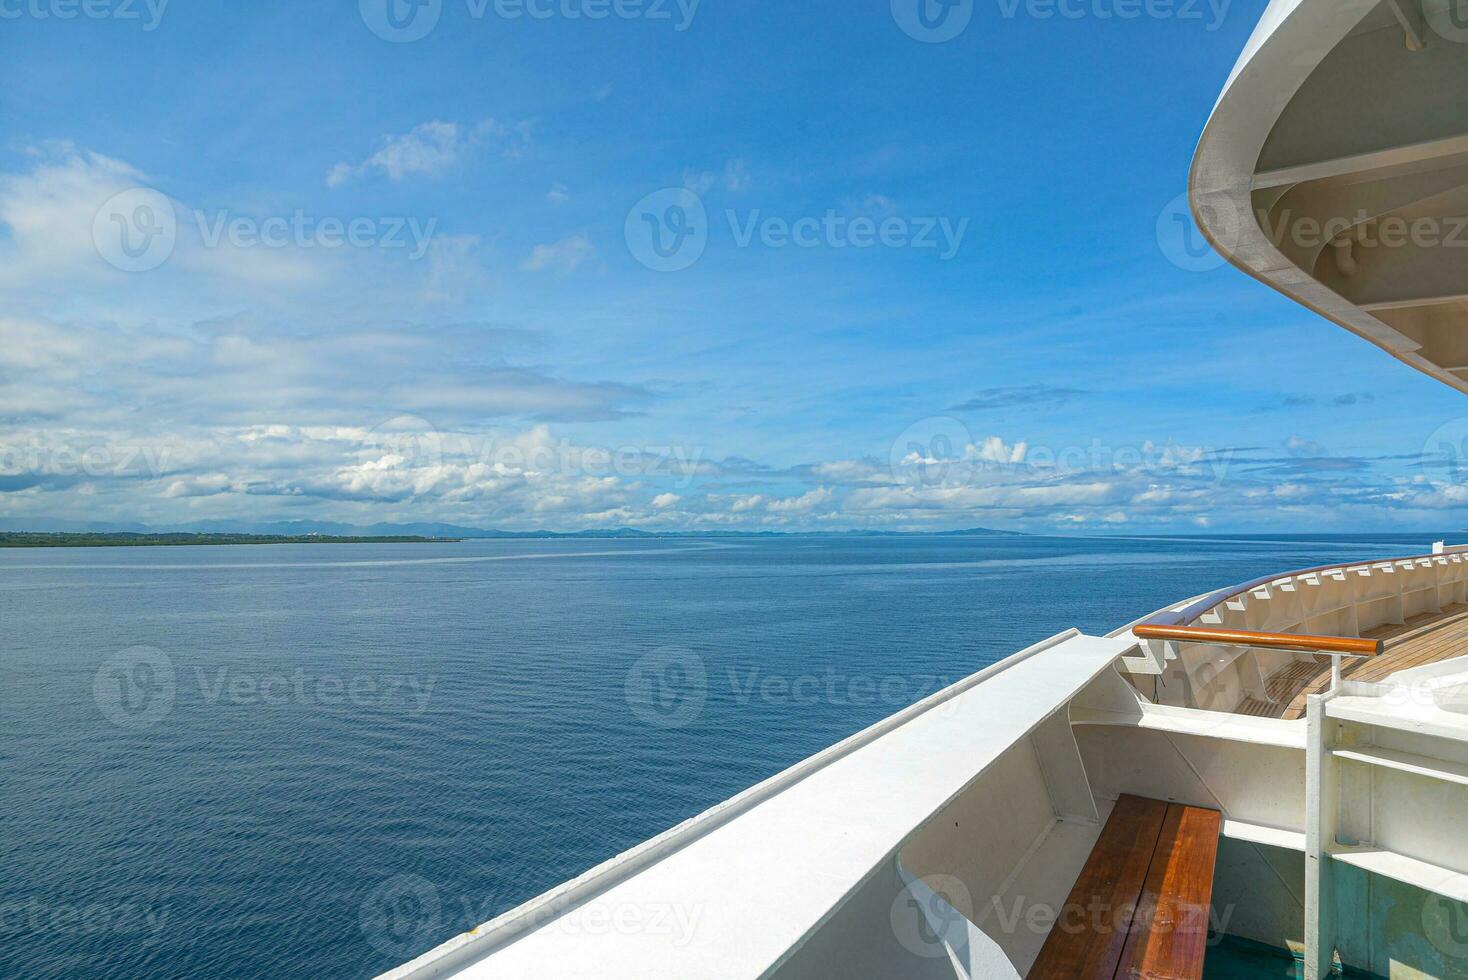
(1324, 610)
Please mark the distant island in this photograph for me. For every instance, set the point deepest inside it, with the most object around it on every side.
(632, 532)
(301, 532)
(31, 539)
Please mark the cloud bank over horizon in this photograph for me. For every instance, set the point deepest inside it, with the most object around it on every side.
(442, 318)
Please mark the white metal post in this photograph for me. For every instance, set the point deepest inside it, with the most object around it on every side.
(1321, 794)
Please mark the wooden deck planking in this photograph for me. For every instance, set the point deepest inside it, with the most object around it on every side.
(1422, 640)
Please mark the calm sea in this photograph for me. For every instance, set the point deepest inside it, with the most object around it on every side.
(319, 761)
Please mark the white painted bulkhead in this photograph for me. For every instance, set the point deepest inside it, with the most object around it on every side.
(995, 866)
(969, 894)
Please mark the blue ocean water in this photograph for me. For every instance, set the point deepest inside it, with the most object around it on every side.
(319, 761)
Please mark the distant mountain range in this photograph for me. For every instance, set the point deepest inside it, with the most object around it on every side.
(429, 530)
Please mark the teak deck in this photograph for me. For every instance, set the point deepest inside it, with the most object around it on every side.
(1140, 907)
(1421, 640)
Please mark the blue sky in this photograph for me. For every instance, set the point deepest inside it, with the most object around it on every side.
(897, 284)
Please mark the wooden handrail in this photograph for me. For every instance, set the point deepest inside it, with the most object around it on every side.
(1347, 646)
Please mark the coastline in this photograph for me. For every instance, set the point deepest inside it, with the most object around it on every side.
(23, 539)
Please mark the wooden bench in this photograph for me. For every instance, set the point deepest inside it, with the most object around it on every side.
(1141, 904)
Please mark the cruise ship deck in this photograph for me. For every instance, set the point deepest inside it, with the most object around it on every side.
(1425, 639)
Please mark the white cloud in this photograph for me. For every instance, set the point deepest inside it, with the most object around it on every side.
(411, 469)
(562, 256)
(428, 150)
(50, 211)
(1298, 446)
(558, 195)
(879, 204)
(994, 450)
(803, 504)
(854, 471)
(734, 177)
(196, 393)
